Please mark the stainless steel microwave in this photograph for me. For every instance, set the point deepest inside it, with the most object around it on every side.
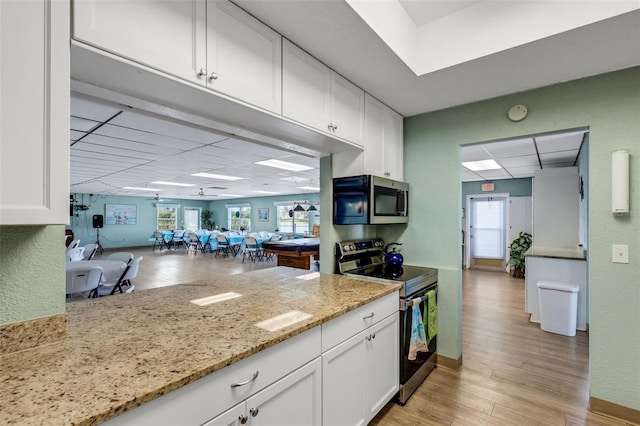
(369, 200)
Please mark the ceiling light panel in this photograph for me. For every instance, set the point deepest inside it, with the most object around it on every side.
(309, 188)
(216, 176)
(481, 165)
(284, 165)
(161, 182)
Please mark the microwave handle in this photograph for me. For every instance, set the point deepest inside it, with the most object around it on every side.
(406, 203)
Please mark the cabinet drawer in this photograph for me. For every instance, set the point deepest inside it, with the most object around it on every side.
(340, 329)
(209, 396)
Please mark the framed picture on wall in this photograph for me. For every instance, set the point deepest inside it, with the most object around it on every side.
(263, 215)
(120, 214)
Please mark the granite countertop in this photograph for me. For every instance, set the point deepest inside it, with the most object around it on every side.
(556, 253)
(124, 350)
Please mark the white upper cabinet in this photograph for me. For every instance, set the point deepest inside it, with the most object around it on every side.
(244, 57)
(34, 124)
(168, 35)
(212, 43)
(383, 145)
(383, 148)
(320, 98)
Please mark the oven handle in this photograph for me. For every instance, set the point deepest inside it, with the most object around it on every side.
(408, 303)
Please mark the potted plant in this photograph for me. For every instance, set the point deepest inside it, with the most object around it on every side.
(516, 253)
(207, 219)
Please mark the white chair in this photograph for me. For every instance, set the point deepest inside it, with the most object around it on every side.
(223, 245)
(194, 243)
(75, 254)
(158, 240)
(129, 273)
(123, 256)
(90, 251)
(74, 244)
(251, 249)
(81, 278)
(178, 238)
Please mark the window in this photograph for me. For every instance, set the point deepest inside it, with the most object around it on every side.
(299, 223)
(488, 227)
(239, 218)
(166, 216)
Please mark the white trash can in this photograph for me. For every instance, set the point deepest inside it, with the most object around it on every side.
(558, 307)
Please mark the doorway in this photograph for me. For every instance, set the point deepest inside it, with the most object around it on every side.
(486, 230)
(192, 218)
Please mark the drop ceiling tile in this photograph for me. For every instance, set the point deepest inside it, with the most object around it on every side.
(74, 135)
(522, 161)
(150, 138)
(82, 124)
(559, 157)
(511, 148)
(474, 153)
(139, 147)
(559, 142)
(494, 174)
(93, 110)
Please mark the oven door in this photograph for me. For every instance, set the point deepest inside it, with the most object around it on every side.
(413, 372)
(351, 200)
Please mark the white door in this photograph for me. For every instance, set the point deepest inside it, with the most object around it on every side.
(192, 218)
(487, 227)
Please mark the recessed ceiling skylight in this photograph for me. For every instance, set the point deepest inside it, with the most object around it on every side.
(214, 176)
(141, 189)
(477, 166)
(161, 182)
(285, 165)
(309, 188)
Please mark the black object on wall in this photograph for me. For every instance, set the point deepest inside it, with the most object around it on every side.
(98, 221)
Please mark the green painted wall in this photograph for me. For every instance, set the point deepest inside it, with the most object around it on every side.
(610, 106)
(32, 272)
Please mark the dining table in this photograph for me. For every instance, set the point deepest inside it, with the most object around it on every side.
(111, 269)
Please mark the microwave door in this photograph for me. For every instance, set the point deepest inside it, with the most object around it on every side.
(350, 208)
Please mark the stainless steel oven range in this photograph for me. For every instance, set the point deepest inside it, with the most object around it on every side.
(365, 259)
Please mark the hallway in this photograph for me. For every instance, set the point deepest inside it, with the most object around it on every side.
(513, 373)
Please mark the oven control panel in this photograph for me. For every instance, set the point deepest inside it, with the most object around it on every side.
(362, 246)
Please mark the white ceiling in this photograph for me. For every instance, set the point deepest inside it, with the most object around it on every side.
(135, 149)
(520, 158)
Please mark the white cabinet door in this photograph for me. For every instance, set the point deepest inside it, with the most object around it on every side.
(342, 383)
(306, 88)
(294, 400)
(34, 105)
(235, 416)
(347, 109)
(244, 56)
(373, 155)
(382, 364)
(168, 35)
(393, 145)
(316, 96)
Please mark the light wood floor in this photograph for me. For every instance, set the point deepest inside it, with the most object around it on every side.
(513, 373)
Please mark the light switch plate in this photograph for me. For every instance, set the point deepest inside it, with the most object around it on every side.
(620, 253)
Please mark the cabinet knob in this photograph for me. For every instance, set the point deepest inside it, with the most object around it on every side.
(253, 411)
(335, 127)
(203, 72)
(243, 419)
(213, 76)
(330, 126)
(387, 174)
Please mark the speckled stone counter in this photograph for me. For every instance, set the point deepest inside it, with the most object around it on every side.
(124, 350)
(556, 253)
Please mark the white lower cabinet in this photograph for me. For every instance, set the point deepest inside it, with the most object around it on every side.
(361, 374)
(294, 400)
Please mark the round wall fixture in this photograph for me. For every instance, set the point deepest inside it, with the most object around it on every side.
(517, 113)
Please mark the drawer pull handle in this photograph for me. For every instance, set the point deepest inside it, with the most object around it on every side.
(255, 376)
(243, 419)
(369, 316)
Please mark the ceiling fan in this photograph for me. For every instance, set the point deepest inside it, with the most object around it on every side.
(201, 194)
(156, 198)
